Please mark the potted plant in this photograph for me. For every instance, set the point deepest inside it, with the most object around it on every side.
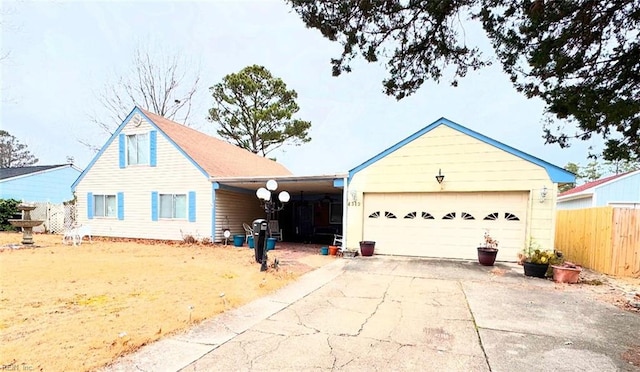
(488, 250)
(537, 263)
(565, 271)
(367, 247)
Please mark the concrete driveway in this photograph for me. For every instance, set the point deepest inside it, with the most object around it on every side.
(385, 313)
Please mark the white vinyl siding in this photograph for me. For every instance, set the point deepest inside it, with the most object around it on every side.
(586, 202)
(174, 174)
(104, 205)
(233, 209)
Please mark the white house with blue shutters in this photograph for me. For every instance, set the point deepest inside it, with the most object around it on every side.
(152, 179)
(157, 179)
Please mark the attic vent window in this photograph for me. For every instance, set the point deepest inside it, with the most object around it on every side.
(136, 120)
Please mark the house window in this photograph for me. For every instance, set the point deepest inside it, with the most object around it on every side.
(374, 215)
(104, 206)
(138, 149)
(173, 206)
(411, 215)
(335, 214)
(389, 214)
(467, 216)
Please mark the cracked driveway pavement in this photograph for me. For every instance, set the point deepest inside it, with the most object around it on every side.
(388, 313)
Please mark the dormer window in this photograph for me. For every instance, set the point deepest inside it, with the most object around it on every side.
(138, 149)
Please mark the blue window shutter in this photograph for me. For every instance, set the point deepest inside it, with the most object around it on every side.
(121, 206)
(154, 206)
(153, 147)
(192, 206)
(121, 149)
(90, 205)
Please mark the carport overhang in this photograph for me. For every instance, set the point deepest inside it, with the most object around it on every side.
(322, 184)
(294, 185)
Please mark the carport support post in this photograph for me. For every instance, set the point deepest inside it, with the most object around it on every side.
(345, 201)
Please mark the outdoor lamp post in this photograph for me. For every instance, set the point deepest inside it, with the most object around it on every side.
(270, 206)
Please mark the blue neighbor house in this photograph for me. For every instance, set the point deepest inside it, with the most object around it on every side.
(40, 183)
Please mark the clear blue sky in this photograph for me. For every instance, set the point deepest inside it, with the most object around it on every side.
(62, 53)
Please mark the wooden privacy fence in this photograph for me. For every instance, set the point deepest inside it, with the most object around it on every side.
(604, 239)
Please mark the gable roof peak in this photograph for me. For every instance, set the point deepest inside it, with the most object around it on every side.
(556, 174)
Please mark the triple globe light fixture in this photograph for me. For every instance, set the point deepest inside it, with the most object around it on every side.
(264, 194)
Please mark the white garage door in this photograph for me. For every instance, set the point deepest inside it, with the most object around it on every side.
(448, 225)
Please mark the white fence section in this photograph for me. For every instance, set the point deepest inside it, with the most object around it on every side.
(56, 217)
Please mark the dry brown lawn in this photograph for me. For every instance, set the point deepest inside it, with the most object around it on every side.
(65, 308)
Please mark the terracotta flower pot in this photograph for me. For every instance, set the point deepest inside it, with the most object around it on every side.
(566, 274)
(333, 250)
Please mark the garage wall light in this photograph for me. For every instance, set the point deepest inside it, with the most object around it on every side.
(543, 194)
(440, 176)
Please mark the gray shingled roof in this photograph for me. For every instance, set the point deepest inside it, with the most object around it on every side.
(6, 173)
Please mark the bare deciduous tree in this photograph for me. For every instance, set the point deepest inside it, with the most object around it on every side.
(163, 85)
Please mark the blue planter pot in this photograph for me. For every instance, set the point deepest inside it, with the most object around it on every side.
(251, 243)
(238, 240)
(271, 243)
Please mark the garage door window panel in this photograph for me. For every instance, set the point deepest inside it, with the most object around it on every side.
(467, 216)
(511, 217)
(427, 216)
(491, 217)
(449, 216)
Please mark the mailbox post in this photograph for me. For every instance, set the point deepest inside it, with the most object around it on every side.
(270, 206)
(259, 237)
